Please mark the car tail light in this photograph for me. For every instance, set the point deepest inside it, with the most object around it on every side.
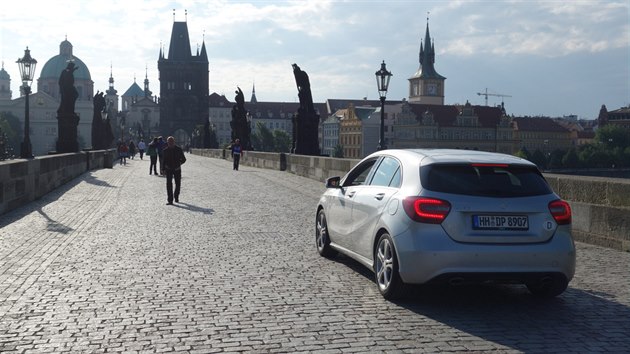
(426, 210)
(561, 211)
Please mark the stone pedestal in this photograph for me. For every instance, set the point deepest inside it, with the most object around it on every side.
(67, 132)
(305, 127)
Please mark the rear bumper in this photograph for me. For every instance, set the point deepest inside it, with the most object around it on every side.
(426, 258)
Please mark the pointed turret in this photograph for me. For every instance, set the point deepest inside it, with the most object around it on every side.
(147, 92)
(204, 54)
(253, 100)
(427, 58)
(111, 90)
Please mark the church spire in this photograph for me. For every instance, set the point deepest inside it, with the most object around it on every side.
(111, 90)
(147, 92)
(253, 100)
(427, 57)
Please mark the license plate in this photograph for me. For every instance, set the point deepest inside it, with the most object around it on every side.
(500, 222)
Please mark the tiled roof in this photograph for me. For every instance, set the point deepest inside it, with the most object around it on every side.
(134, 91)
(446, 115)
(216, 100)
(537, 124)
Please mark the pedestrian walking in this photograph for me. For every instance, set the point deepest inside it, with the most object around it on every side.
(132, 149)
(123, 152)
(141, 147)
(160, 148)
(153, 156)
(237, 151)
(173, 160)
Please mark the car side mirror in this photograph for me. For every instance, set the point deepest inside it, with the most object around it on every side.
(333, 182)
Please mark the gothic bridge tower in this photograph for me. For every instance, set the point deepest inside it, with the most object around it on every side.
(184, 86)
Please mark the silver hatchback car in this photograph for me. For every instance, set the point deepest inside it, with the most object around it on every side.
(454, 216)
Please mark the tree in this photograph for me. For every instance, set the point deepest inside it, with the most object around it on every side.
(282, 141)
(338, 151)
(571, 159)
(11, 126)
(264, 138)
(555, 159)
(612, 136)
(539, 159)
(524, 154)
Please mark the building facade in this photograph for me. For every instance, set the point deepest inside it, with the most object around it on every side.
(542, 134)
(453, 127)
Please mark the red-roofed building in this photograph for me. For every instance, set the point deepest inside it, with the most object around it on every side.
(542, 134)
(454, 127)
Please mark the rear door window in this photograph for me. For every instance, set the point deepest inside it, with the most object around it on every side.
(484, 180)
(387, 173)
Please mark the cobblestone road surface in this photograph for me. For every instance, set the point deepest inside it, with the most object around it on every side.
(103, 265)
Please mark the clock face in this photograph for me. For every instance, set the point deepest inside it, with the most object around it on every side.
(431, 89)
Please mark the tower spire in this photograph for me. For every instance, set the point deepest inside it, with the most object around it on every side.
(147, 92)
(253, 99)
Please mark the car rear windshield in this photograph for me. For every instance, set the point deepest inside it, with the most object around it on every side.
(484, 180)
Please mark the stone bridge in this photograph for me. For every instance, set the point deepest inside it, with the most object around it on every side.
(101, 264)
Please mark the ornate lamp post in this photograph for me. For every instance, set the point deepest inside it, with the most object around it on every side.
(382, 82)
(27, 72)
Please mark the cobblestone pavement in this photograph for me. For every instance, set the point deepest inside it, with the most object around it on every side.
(103, 265)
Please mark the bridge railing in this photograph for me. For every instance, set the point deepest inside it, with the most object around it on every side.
(600, 205)
(25, 180)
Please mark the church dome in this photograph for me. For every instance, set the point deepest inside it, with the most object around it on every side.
(4, 75)
(55, 65)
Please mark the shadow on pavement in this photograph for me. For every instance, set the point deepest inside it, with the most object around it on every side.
(89, 178)
(53, 225)
(508, 315)
(207, 211)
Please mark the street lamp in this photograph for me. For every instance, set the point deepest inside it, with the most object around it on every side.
(382, 82)
(27, 72)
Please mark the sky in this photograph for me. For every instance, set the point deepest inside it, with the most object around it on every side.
(547, 58)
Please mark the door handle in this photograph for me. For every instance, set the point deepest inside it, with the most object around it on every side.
(379, 196)
(351, 194)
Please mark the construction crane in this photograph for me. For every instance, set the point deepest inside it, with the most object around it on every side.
(486, 94)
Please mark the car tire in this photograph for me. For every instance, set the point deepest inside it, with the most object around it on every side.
(386, 268)
(548, 287)
(321, 236)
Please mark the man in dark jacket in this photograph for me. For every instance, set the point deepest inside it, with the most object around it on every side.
(173, 160)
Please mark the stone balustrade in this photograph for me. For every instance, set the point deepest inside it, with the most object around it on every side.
(25, 180)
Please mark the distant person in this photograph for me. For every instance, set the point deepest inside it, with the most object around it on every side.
(123, 152)
(152, 152)
(237, 151)
(173, 160)
(132, 149)
(160, 147)
(141, 147)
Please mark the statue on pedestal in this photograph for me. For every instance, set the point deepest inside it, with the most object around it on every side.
(239, 124)
(102, 135)
(67, 119)
(306, 120)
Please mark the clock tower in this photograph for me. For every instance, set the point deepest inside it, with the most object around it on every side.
(426, 86)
